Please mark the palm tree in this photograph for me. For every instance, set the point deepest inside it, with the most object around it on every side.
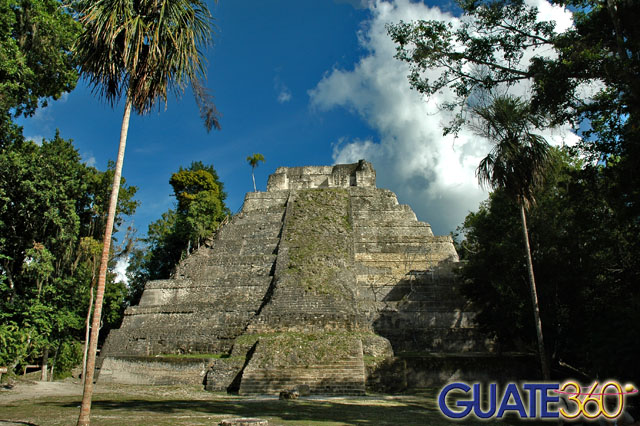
(516, 164)
(253, 161)
(139, 49)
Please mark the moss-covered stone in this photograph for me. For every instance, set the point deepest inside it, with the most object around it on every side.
(319, 240)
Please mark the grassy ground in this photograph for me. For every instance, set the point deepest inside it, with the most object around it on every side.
(182, 405)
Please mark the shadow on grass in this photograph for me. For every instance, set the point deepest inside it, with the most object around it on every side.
(360, 413)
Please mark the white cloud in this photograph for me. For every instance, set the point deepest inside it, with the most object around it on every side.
(284, 94)
(121, 270)
(434, 173)
(89, 159)
(356, 4)
(37, 139)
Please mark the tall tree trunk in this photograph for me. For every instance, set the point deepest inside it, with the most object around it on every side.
(88, 319)
(534, 299)
(254, 181)
(86, 332)
(7, 268)
(85, 408)
(45, 364)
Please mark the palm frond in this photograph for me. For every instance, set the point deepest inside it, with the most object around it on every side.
(144, 49)
(519, 157)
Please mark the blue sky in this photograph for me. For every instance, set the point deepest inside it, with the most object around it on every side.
(304, 82)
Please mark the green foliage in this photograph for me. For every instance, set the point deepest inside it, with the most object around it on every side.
(38, 265)
(587, 261)
(50, 209)
(35, 43)
(255, 160)
(15, 342)
(204, 215)
(156, 259)
(189, 184)
(97, 196)
(67, 356)
(198, 215)
(200, 202)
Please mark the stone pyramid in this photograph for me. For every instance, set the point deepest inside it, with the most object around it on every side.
(314, 283)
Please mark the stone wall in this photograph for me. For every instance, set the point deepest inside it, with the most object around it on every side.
(360, 174)
(138, 370)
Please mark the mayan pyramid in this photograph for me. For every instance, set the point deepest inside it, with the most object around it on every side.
(314, 281)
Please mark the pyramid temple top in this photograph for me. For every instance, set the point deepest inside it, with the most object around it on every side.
(359, 174)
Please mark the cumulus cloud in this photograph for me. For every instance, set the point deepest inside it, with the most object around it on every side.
(284, 94)
(433, 173)
(121, 270)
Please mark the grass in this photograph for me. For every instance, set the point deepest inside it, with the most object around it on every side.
(165, 405)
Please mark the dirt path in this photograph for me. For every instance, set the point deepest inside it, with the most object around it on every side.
(37, 389)
(26, 389)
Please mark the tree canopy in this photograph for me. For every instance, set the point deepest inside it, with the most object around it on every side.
(35, 47)
(36, 65)
(587, 262)
(52, 209)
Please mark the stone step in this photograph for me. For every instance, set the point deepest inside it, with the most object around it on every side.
(374, 201)
(242, 244)
(389, 238)
(314, 390)
(260, 201)
(398, 213)
(241, 278)
(203, 297)
(248, 228)
(282, 377)
(150, 345)
(351, 385)
(235, 259)
(407, 249)
(222, 272)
